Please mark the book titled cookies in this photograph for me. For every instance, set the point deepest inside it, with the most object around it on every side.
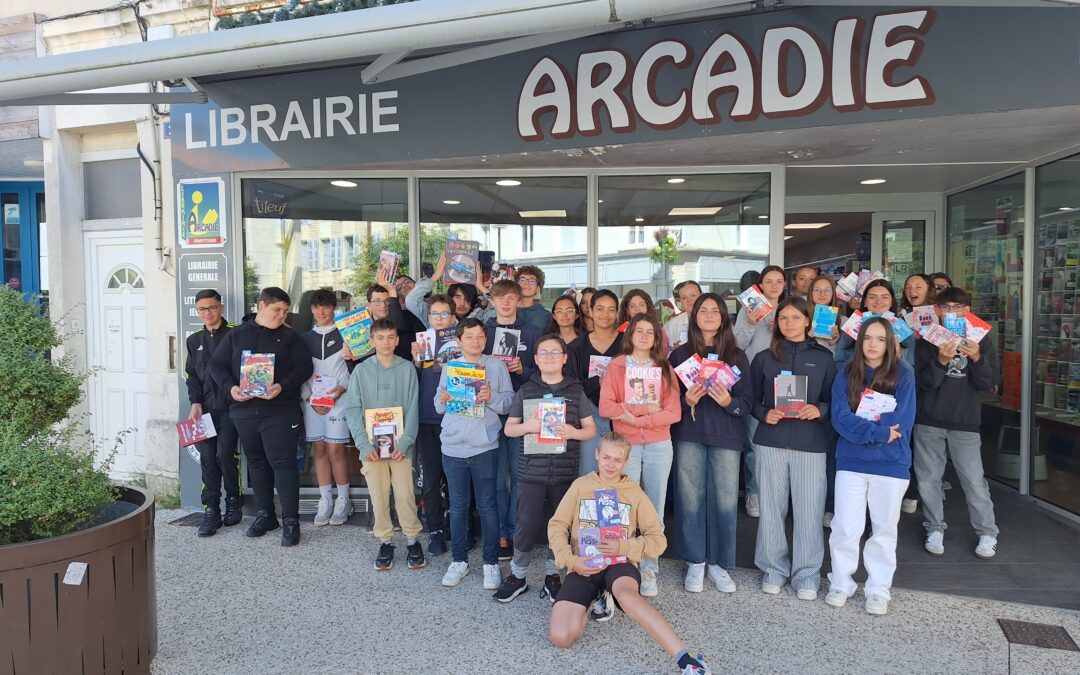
(642, 385)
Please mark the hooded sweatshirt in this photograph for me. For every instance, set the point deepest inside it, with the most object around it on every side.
(648, 427)
(373, 385)
(800, 358)
(950, 397)
(643, 533)
(292, 367)
(753, 338)
(327, 357)
(466, 436)
(864, 444)
(708, 423)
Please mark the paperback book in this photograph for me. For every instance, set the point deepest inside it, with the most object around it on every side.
(789, 393)
(388, 265)
(689, 371)
(376, 417)
(321, 386)
(865, 277)
(847, 288)
(756, 303)
(642, 385)
(426, 340)
(552, 414)
(589, 547)
(976, 328)
(921, 317)
(607, 508)
(938, 335)
(256, 373)
(874, 404)
(384, 439)
(463, 383)
(598, 365)
(533, 444)
(196, 430)
(955, 324)
(446, 345)
(355, 329)
(462, 261)
(823, 321)
(503, 271)
(612, 532)
(853, 324)
(900, 327)
(505, 345)
(715, 371)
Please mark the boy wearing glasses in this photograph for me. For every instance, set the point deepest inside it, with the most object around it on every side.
(543, 479)
(382, 302)
(530, 280)
(951, 379)
(218, 457)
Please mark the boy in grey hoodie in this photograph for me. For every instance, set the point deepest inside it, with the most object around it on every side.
(387, 382)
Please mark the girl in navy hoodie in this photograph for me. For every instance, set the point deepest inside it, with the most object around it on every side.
(708, 442)
(873, 458)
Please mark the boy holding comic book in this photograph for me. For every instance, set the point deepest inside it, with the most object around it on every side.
(543, 479)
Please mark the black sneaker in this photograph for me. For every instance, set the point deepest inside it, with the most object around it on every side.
(211, 521)
(603, 608)
(264, 522)
(552, 586)
(437, 543)
(510, 589)
(290, 531)
(415, 557)
(506, 549)
(385, 559)
(234, 511)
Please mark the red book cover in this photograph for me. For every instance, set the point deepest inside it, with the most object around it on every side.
(197, 430)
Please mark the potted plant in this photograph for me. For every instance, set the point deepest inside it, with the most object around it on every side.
(79, 549)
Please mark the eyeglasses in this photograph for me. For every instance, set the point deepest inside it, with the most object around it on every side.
(549, 353)
(526, 281)
(565, 312)
(822, 290)
(207, 310)
(376, 302)
(439, 315)
(952, 307)
(940, 287)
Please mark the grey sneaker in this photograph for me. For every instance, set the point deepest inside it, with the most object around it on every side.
(648, 584)
(343, 508)
(326, 508)
(935, 543)
(836, 598)
(753, 508)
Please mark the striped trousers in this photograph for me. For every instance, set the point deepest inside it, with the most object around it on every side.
(796, 478)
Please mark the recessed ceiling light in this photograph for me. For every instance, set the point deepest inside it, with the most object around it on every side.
(764, 217)
(1065, 208)
(507, 182)
(343, 183)
(689, 211)
(550, 213)
(806, 226)
(639, 220)
(451, 202)
(676, 181)
(872, 181)
(790, 236)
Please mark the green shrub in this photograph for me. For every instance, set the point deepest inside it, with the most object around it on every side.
(49, 484)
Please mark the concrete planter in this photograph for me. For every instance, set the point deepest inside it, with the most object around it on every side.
(54, 620)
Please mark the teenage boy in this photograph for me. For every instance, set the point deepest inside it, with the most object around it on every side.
(505, 296)
(470, 457)
(325, 426)
(951, 380)
(388, 381)
(268, 425)
(543, 479)
(383, 303)
(217, 456)
(530, 279)
(677, 328)
(643, 537)
(428, 446)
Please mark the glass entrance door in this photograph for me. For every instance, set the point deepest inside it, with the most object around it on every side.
(899, 244)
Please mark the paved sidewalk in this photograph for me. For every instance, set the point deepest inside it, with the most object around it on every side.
(228, 604)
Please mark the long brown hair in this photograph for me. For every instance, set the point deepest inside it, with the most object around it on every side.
(656, 353)
(777, 336)
(723, 344)
(931, 292)
(885, 375)
(553, 326)
(624, 306)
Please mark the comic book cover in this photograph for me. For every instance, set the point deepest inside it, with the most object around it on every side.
(598, 365)
(874, 404)
(612, 532)
(463, 382)
(532, 444)
(447, 348)
(426, 340)
(789, 393)
(502, 271)
(607, 508)
(642, 384)
(384, 439)
(196, 430)
(256, 373)
(394, 415)
(388, 264)
(689, 370)
(823, 321)
(552, 414)
(505, 345)
(355, 329)
(462, 261)
(589, 546)
(321, 386)
(756, 303)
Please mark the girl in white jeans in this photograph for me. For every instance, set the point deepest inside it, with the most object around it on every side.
(873, 461)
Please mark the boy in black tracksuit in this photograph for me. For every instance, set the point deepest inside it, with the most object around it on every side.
(269, 426)
(543, 479)
(217, 456)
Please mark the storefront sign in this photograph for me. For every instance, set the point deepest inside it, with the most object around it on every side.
(200, 213)
(196, 272)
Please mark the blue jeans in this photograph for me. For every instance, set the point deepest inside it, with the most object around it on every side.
(749, 469)
(650, 466)
(463, 476)
(506, 491)
(706, 503)
(587, 461)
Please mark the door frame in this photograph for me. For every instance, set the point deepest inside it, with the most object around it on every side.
(29, 232)
(877, 235)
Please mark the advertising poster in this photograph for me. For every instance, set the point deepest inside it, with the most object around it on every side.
(200, 212)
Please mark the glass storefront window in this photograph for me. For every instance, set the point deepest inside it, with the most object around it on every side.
(656, 231)
(1055, 467)
(985, 258)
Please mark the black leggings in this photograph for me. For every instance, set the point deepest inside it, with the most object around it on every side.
(270, 446)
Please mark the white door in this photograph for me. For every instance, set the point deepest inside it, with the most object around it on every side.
(116, 333)
(900, 243)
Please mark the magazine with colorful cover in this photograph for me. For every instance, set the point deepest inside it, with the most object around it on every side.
(689, 371)
(874, 404)
(321, 386)
(503, 271)
(853, 324)
(355, 329)
(598, 365)
(824, 320)
(532, 444)
(384, 439)
(642, 385)
(552, 414)
(447, 348)
(920, 317)
(847, 288)
(463, 383)
(789, 393)
(756, 303)
(196, 430)
(462, 261)
(256, 373)
(388, 265)
(589, 547)
(373, 417)
(505, 345)
(426, 340)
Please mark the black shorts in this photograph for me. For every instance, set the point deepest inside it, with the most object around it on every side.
(583, 590)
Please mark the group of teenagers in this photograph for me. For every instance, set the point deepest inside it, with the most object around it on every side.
(827, 465)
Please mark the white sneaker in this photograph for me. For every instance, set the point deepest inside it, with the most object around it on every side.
(935, 543)
(492, 577)
(322, 516)
(648, 584)
(909, 505)
(695, 578)
(806, 594)
(836, 598)
(719, 576)
(876, 605)
(455, 573)
(770, 589)
(987, 546)
(753, 508)
(826, 520)
(343, 508)
(946, 485)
